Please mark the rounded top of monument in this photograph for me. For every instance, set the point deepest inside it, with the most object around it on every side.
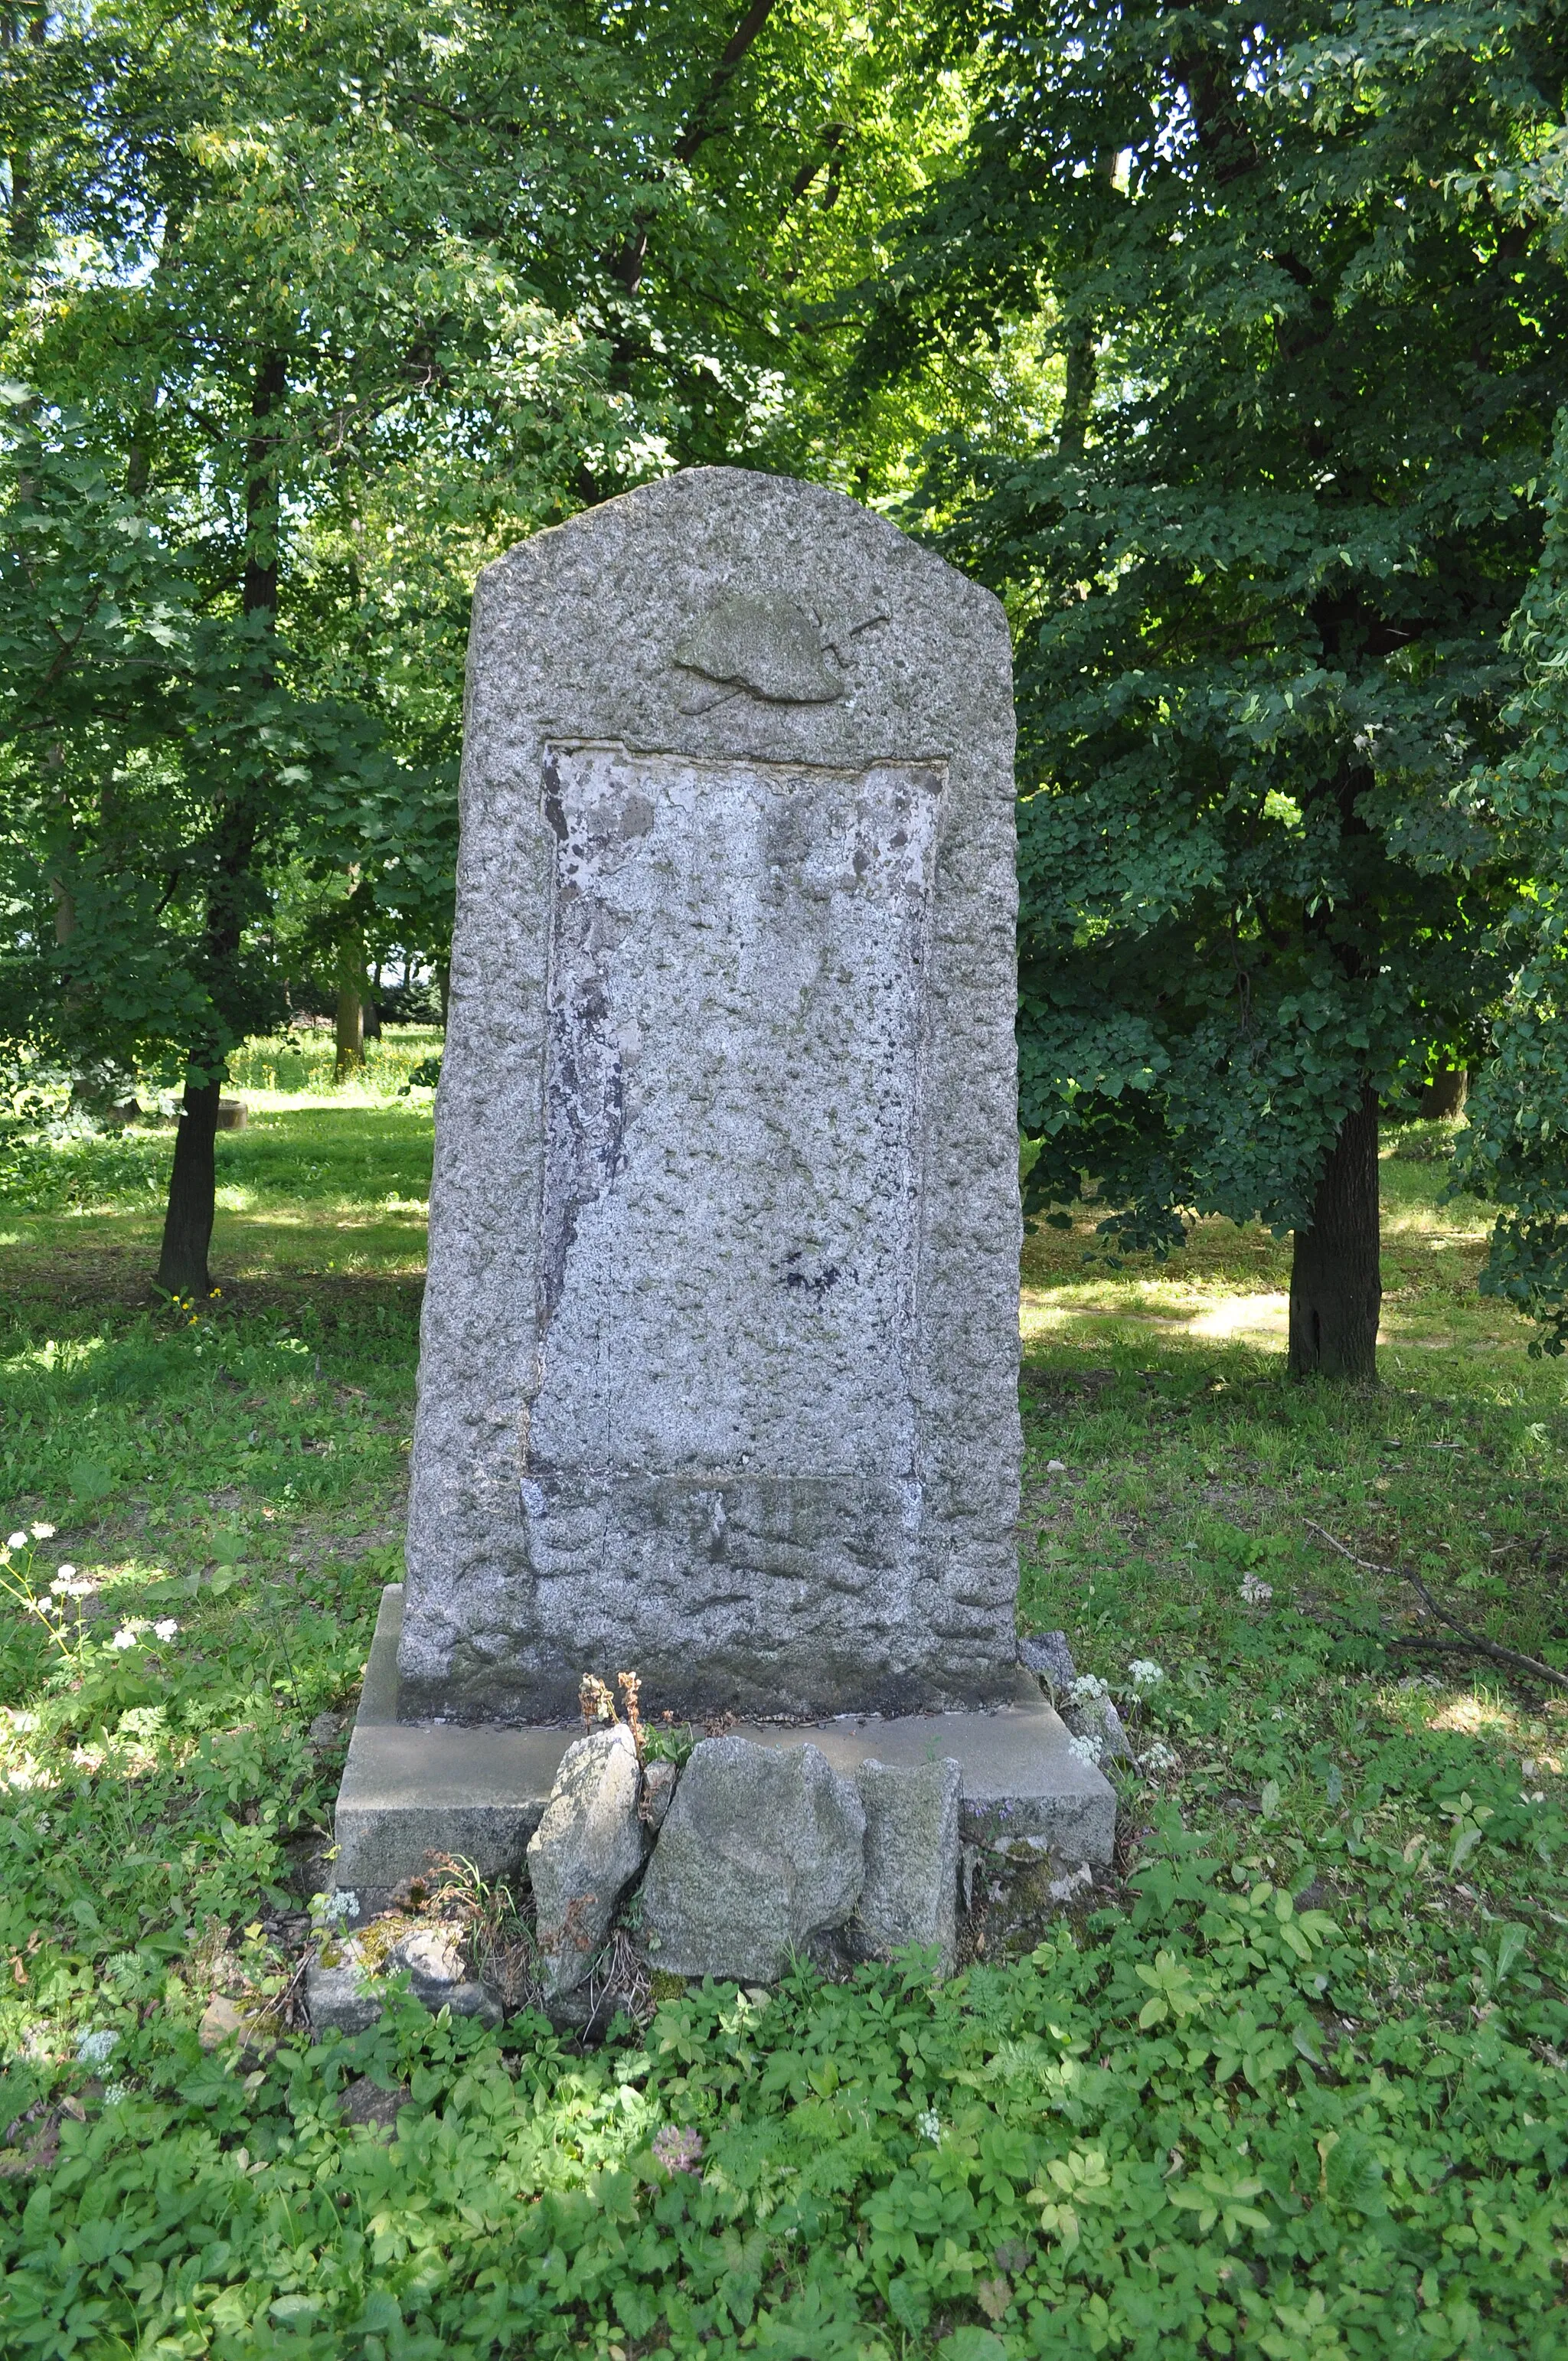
(741, 505)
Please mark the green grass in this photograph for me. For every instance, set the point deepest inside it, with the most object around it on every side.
(1199, 2119)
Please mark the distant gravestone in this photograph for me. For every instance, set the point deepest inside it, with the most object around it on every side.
(720, 1355)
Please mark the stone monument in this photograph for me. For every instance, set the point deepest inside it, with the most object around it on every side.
(718, 1373)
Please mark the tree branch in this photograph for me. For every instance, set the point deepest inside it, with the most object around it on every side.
(700, 126)
(1468, 1640)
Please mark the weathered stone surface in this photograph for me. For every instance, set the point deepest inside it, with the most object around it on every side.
(910, 1888)
(1091, 1715)
(467, 2000)
(720, 1351)
(221, 2021)
(760, 1850)
(410, 1797)
(364, 2102)
(587, 1846)
(432, 1956)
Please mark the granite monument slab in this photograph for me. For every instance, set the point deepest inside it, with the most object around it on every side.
(719, 1349)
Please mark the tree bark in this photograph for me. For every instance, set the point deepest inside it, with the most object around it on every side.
(188, 1223)
(351, 995)
(350, 1028)
(1336, 1281)
(1445, 1094)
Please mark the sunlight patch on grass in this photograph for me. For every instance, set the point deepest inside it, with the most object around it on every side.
(1168, 1305)
(1475, 1716)
(53, 1355)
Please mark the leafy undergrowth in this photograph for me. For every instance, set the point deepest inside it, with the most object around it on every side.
(1209, 2123)
(1293, 2086)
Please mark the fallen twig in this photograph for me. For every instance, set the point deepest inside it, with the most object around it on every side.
(1467, 1640)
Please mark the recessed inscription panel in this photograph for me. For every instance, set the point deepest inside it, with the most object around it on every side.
(732, 1122)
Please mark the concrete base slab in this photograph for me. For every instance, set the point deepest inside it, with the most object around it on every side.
(411, 1790)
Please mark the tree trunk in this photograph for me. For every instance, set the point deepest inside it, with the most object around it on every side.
(1446, 1093)
(1336, 1283)
(188, 1223)
(350, 1028)
(193, 1180)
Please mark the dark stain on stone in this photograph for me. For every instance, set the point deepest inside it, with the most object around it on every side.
(816, 1284)
(553, 812)
(586, 1120)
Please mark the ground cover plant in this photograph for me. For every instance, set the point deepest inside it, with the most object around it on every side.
(1289, 2083)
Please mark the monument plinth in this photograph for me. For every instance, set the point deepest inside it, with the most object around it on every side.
(718, 1369)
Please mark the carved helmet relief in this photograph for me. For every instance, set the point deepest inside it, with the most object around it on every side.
(764, 644)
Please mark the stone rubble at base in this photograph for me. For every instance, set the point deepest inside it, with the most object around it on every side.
(587, 1846)
(760, 1850)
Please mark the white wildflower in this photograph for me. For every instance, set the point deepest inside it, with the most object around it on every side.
(165, 1627)
(94, 2049)
(338, 1908)
(1086, 1750)
(1159, 1759)
(1088, 1689)
(69, 1584)
(42, 1534)
(929, 2127)
(124, 1637)
(115, 2094)
(16, 1541)
(1145, 1673)
(1256, 1592)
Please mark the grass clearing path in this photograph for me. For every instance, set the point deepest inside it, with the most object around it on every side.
(1293, 2087)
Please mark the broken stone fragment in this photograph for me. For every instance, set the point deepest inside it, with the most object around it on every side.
(1048, 1654)
(1096, 1720)
(586, 1848)
(364, 2101)
(658, 1793)
(763, 1847)
(221, 2021)
(348, 1998)
(432, 1957)
(910, 1895)
(340, 1999)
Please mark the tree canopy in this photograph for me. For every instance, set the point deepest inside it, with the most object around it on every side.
(1261, 578)
(1225, 345)
(309, 313)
